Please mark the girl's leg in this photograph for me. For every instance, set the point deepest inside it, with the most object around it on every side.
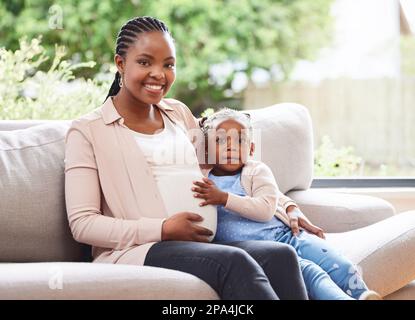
(230, 271)
(340, 269)
(280, 264)
(319, 285)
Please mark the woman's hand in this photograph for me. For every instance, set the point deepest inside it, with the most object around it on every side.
(182, 227)
(299, 220)
(208, 191)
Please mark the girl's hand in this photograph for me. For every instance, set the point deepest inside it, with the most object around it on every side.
(208, 191)
(181, 227)
(299, 220)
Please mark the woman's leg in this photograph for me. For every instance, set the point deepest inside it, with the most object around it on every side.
(340, 269)
(230, 271)
(280, 264)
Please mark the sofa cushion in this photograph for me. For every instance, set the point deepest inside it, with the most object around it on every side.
(33, 221)
(385, 251)
(284, 141)
(98, 281)
(405, 293)
(340, 212)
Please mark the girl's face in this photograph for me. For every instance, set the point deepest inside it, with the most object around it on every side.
(232, 146)
(148, 68)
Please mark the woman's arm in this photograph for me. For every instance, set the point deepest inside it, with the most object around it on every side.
(83, 202)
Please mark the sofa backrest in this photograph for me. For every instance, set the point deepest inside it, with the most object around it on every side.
(33, 221)
(286, 135)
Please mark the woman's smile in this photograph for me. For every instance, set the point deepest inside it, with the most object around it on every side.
(154, 89)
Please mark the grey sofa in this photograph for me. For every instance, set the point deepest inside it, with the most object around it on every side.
(40, 260)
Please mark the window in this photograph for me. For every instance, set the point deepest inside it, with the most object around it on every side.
(360, 92)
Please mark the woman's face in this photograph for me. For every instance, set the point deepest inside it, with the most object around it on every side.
(148, 68)
(232, 146)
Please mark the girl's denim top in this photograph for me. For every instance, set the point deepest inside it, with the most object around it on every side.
(233, 227)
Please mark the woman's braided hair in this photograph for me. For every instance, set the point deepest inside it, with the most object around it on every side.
(127, 35)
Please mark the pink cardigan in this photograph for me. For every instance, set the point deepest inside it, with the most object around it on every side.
(112, 199)
(263, 199)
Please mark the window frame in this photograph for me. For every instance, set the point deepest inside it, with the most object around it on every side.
(369, 182)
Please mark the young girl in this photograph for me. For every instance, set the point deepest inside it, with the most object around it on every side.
(246, 195)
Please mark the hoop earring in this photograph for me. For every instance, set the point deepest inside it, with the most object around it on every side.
(120, 83)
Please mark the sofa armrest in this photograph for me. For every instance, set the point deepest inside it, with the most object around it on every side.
(340, 212)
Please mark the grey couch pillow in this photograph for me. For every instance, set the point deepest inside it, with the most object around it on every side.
(33, 220)
(284, 141)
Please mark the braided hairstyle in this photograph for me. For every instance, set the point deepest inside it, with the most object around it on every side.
(127, 35)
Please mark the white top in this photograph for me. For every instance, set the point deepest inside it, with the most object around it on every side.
(173, 161)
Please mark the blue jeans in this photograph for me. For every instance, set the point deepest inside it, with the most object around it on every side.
(243, 270)
(328, 275)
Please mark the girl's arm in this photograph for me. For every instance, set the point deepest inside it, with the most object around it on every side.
(260, 206)
(297, 219)
(262, 203)
(286, 202)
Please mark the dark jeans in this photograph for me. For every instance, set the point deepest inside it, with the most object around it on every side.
(244, 270)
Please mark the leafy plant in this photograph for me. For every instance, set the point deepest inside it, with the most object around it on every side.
(407, 46)
(330, 161)
(29, 93)
(207, 112)
(232, 36)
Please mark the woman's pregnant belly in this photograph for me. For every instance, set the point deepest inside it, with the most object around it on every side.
(175, 189)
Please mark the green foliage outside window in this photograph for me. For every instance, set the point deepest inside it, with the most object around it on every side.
(244, 34)
(330, 161)
(27, 92)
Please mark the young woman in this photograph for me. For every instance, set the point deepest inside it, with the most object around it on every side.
(114, 181)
